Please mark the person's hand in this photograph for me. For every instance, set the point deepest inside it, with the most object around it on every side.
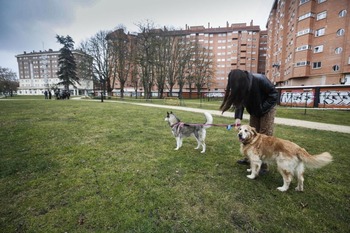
(237, 123)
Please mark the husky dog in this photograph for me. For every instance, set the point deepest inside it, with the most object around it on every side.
(181, 130)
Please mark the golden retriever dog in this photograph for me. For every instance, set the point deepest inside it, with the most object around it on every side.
(290, 157)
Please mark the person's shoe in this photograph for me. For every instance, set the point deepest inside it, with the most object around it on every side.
(263, 171)
(243, 161)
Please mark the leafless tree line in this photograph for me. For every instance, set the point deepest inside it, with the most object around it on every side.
(8, 82)
(152, 58)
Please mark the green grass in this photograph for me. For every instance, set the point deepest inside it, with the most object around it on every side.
(81, 166)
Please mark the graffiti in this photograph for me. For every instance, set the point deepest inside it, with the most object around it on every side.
(338, 98)
(297, 98)
(316, 96)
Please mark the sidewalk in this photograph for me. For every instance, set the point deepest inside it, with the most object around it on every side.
(281, 121)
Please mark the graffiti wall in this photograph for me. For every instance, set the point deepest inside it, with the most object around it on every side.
(297, 98)
(335, 96)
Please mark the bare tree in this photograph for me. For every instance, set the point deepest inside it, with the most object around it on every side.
(121, 57)
(163, 52)
(97, 48)
(84, 67)
(200, 68)
(183, 62)
(8, 81)
(204, 68)
(177, 56)
(146, 49)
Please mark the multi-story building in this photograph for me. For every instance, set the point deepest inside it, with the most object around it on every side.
(38, 72)
(236, 46)
(308, 42)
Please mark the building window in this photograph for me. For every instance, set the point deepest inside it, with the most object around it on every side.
(341, 32)
(318, 49)
(335, 68)
(338, 50)
(320, 32)
(320, 1)
(303, 1)
(302, 63)
(303, 32)
(307, 15)
(321, 15)
(316, 65)
(303, 47)
(342, 13)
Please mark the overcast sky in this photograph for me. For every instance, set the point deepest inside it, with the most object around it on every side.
(27, 25)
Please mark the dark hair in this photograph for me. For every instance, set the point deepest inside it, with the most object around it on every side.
(237, 89)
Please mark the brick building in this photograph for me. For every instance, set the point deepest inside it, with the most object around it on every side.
(308, 42)
(234, 46)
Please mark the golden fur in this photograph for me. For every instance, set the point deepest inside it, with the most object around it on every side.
(290, 157)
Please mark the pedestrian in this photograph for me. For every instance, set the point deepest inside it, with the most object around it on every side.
(45, 93)
(256, 94)
(50, 95)
(57, 94)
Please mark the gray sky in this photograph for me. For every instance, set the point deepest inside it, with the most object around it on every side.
(27, 25)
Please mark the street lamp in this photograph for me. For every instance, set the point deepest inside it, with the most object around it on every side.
(102, 81)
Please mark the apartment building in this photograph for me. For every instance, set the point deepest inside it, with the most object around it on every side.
(37, 73)
(308, 42)
(235, 46)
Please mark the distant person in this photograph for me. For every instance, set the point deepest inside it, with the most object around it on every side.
(256, 94)
(57, 94)
(45, 93)
(50, 95)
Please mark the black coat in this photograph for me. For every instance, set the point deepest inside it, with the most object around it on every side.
(261, 99)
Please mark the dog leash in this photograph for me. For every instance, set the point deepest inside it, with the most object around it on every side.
(228, 127)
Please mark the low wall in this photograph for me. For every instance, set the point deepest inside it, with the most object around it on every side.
(332, 96)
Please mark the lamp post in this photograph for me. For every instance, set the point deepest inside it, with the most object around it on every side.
(306, 91)
(102, 88)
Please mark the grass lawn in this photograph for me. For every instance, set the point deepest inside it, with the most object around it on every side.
(82, 166)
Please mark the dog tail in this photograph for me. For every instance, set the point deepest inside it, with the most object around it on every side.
(316, 161)
(209, 121)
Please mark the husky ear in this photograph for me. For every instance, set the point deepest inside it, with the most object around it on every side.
(171, 112)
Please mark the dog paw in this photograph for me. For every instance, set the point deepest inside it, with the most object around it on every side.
(176, 148)
(203, 151)
(249, 170)
(282, 189)
(299, 189)
(251, 176)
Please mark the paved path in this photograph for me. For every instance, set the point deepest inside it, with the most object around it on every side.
(281, 121)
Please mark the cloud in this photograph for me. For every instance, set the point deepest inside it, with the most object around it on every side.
(32, 22)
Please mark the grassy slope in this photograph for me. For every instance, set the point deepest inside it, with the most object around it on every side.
(69, 166)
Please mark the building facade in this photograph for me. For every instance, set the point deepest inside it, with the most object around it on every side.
(308, 42)
(236, 46)
(38, 73)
